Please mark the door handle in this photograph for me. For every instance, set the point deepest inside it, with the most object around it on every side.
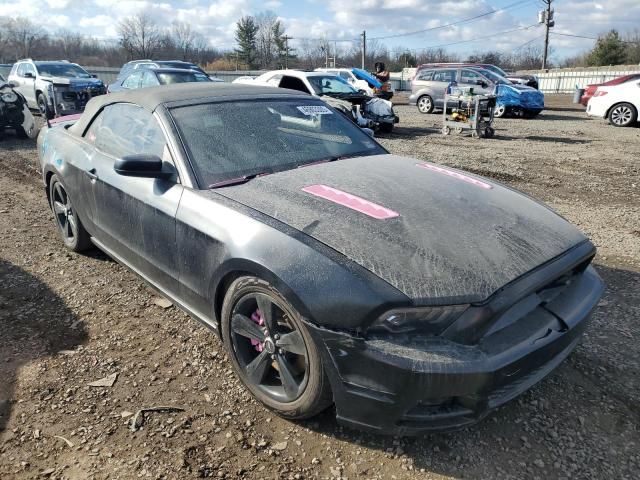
(92, 174)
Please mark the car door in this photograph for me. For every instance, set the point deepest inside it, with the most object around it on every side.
(439, 82)
(473, 79)
(26, 83)
(136, 215)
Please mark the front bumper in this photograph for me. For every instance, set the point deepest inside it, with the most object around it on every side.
(409, 384)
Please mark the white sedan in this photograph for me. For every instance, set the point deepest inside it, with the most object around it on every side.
(617, 103)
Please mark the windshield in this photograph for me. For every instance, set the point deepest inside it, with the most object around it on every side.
(494, 77)
(232, 140)
(167, 78)
(330, 85)
(68, 70)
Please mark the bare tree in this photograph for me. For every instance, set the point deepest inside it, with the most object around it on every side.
(25, 37)
(71, 43)
(140, 35)
(183, 38)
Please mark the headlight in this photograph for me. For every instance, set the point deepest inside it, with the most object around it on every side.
(427, 320)
(9, 97)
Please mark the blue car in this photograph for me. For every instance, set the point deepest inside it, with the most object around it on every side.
(429, 86)
(514, 99)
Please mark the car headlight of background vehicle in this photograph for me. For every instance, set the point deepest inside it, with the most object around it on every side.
(425, 320)
(9, 97)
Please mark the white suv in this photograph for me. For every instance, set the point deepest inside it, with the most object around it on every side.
(55, 87)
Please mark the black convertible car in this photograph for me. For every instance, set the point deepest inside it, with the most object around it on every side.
(413, 297)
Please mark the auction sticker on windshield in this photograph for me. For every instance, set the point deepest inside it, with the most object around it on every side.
(315, 110)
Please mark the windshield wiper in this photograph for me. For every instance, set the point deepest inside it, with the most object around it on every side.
(237, 180)
(331, 159)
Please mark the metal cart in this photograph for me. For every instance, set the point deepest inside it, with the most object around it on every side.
(472, 113)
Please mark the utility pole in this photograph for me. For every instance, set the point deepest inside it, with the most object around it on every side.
(547, 17)
(286, 51)
(364, 47)
(335, 53)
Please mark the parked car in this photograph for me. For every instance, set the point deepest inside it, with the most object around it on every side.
(362, 80)
(528, 80)
(55, 88)
(152, 77)
(329, 284)
(366, 111)
(348, 75)
(129, 67)
(14, 112)
(619, 104)
(429, 86)
(591, 89)
(5, 69)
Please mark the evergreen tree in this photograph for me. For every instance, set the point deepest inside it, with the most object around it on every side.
(609, 50)
(246, 33)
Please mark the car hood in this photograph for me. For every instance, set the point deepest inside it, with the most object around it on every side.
(448, 236)
(79, 83)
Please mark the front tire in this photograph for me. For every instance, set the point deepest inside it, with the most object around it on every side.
(271, 350)
(623, 115)
(70, 228)
(425, 104)
(43, 106)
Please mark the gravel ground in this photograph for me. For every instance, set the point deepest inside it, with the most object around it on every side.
(67, 320)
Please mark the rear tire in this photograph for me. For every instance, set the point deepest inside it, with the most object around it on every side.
(623, 115)
(250, 336)
(500, 111)
(70, 228)
(425, 104)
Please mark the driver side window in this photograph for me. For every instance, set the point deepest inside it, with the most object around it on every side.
(469, 76)
(293, 83)
(126, 129)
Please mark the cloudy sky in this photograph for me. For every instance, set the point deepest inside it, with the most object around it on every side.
(388, 20)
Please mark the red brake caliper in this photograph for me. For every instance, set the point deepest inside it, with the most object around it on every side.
(257, 317)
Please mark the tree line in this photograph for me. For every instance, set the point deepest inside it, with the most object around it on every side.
(262, 43)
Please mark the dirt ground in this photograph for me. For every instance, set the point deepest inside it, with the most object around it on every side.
(67, 320)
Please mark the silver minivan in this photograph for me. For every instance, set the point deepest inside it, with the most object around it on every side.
(429, 86)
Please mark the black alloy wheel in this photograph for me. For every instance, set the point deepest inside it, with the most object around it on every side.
(73, 234)
(272, 351)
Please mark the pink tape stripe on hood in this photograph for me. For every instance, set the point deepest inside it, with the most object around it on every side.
(351, 201)
(459, 176)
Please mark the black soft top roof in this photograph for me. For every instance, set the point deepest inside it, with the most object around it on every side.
(150, 98)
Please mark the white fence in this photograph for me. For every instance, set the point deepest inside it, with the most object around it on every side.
(565, 80)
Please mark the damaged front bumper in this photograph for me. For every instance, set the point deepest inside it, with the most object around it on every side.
(71, 99)
(411, 384)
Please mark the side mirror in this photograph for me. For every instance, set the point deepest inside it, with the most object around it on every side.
(28, 75)
(482, 83)
(93, 75)
(140, 165)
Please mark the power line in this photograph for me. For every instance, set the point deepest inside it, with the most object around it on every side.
(475, 39)
(588, 38)
(465, 20)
